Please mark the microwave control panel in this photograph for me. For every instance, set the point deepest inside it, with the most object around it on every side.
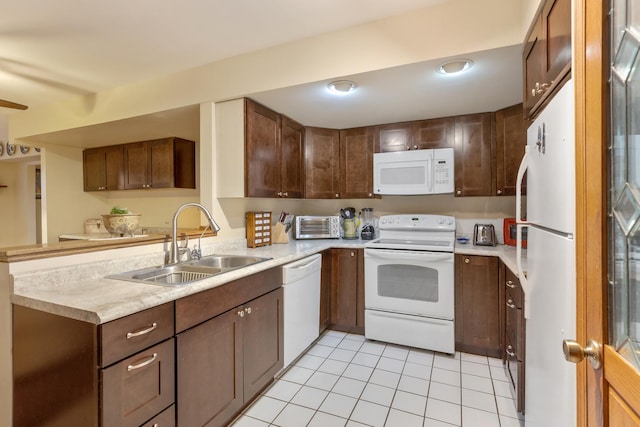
(443, 171)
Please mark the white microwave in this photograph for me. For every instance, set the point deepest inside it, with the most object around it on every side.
(413, 172)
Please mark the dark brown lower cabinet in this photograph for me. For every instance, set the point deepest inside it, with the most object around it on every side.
(136, 371)
(478, 323)
(347, 290)
(226, 361)
(67, 372)
(514, 335)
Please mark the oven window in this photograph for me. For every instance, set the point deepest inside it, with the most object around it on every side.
(408, 282)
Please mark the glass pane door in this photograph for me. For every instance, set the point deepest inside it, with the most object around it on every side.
(624, 181)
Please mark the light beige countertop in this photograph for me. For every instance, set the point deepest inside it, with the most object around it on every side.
(82, 292)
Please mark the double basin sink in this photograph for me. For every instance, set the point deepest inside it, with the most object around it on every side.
(189, 271)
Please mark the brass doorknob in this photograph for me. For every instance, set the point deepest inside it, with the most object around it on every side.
(574, 352)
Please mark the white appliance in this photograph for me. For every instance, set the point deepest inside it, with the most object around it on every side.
(301, 286)
(550, 281)
(413, 172)
(409, 282)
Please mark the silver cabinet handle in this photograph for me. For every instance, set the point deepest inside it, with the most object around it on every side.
(509, 351)
(510, 303)
(248, 310)
(467, 260)
(458, 192)
(499, 192)
(144, 331)
(337, 196)
(241, 313)
(285, 194)
(510, 284)
(147, 362)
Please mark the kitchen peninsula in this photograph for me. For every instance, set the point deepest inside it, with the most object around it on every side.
(74, 287)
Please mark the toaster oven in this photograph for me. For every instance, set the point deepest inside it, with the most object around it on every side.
(316, 227)
(509, 227)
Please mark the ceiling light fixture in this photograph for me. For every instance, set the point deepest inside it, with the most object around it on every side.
(455, 66)
(342, 86)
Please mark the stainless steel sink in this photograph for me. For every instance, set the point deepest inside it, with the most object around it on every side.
(188, 272)
(227, 261)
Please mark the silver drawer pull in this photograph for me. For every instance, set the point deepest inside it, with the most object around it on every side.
(147, 362)
(510, 284)
(510, 353)
(510, 303)
(142, 331)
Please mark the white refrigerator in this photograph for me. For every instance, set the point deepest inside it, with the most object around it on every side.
(550, 281)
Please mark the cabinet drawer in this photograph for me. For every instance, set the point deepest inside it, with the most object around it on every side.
(123, 337)
(166, 418)
(138, 388)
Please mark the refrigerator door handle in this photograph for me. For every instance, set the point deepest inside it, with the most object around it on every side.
(520, 223)
(521, 170)
(521, 274)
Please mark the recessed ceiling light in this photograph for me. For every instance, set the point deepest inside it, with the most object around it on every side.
(455, 66)
(342, 86)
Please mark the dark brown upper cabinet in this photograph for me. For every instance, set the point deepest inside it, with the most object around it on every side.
(356, 163)
(474, 155)
(511, 138)
(322, 168)
(417, 135)
(547, 54)
(274, 153)
(103, 168)
(161, 163)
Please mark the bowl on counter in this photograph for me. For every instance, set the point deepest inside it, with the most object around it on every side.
(121, 224)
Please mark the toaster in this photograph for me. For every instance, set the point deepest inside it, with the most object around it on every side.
(484, 235)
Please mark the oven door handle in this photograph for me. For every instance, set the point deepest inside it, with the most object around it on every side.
(404, 255)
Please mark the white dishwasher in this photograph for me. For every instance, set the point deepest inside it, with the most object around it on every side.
(301, 284)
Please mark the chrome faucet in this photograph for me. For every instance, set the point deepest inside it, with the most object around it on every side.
(174, 250)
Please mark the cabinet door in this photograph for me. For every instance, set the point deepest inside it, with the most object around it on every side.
(322, 165)
(478, 304)
(344, 292)
(209, 371)
(262, 151)
(161, 164)
(474, 155)
(533, 66)
(136, 165)
(263, 341)
(356, 163)
(138, 387)
(292, 159)
(102, 168)
(556, 20)
(511, 138)
(433, 133)
(393, 137)
(325, 291)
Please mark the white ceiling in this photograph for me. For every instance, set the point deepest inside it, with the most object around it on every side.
(53, 50)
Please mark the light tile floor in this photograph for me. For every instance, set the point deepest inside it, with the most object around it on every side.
(346, 380)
